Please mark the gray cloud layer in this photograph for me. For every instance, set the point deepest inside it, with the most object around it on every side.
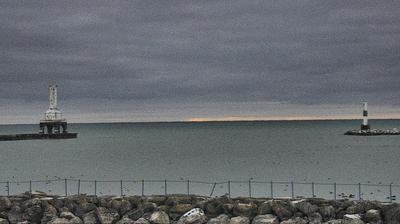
(199, 52)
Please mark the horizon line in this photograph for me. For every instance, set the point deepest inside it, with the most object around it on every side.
(218, 120)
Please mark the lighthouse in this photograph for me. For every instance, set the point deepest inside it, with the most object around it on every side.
(365, 125)
(53, 120)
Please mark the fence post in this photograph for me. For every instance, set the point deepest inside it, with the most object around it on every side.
(188, 188)
(142, 187)
(390, 193)
(272, 189)
(79, 186)
(122, 193)
(334, 190)
(8, 188)
(65, 187)
(212, 190)
(359, 192)
(312, 189)
(250, 188)
(165, 187)
(95, 187)
(30, 187)
(229, 189)
(292, 184)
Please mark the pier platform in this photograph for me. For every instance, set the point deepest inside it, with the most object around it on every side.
(36, 136)
(373, 132)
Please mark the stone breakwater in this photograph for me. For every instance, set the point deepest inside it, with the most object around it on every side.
(183, 209)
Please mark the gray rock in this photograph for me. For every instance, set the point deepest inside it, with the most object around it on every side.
(265, 208)
(82, 208)
(134, 214)
(327, 212)
(214, 207)
(15, 214)
(265, 219)
(241, 209)
(142, 221)
(240, 220)
(314, 218)
(281, 210)
(373, 216)
(221, 219)
(305, 207)
(352, 219)
(125, 221)
(159, 217)
(3, 221)
(391, 214)
(49, 214)
(106, 216)
(71, 218)
(194, 216)
(89, 218)
(296, 220)
(59, 221)
(334, 221)
(5, 203)
(33, 210)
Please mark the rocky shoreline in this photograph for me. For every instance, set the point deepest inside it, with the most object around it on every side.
(183, 209)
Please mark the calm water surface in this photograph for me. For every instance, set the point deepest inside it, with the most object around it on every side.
(279, 150)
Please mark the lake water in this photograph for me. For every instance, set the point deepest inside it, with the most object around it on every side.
(299, 151)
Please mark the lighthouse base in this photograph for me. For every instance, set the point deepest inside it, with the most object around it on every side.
(365, 127)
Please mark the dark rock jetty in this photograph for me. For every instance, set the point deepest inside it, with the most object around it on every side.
(371, 132)
(184, 209)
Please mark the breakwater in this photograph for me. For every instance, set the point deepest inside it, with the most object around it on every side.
(189, 209)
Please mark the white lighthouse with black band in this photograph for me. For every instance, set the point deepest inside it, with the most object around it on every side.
(365, 125)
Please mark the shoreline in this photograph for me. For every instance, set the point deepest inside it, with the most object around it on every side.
(185, 209)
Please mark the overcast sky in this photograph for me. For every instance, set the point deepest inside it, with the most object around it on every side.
(187, 60)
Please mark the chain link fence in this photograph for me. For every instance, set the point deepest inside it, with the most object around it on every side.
(251, 188)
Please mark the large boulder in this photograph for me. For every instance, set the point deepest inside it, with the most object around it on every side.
(33, 210)
(296, 220)
(391, 214)
(240, 220)
(305, 207)
(334, 221)
(265, 219)
(373, 216)
(90, 218)
(327, 212)
(15, 214)
(125, 221)
(49, 213)
(71, 218)
(159, 217)
(352, 219)
(134, 214)
(265, 208)
(314, 218)
(142, 221)
(281, 209)
(242, 209)
(194, 216)
(181, 208)
(106, 216)
(221, 219)
(214, 207)
(5, 203)
(82, 208)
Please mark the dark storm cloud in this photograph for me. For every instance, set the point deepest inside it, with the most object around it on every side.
(298, 52)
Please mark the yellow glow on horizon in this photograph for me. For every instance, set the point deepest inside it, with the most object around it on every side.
(288, 118)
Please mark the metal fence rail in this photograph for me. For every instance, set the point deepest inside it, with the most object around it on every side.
(230, 188)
